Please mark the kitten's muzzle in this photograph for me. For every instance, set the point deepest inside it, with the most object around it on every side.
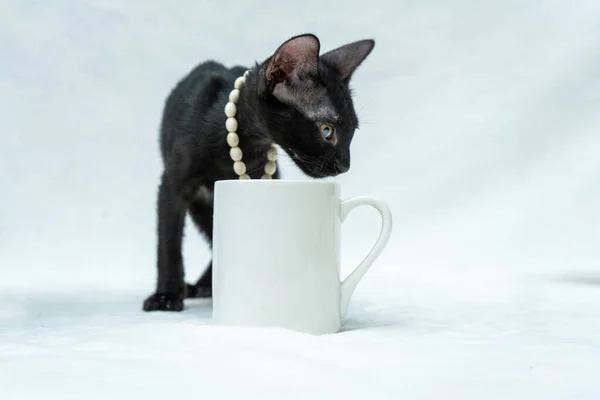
(342, 166)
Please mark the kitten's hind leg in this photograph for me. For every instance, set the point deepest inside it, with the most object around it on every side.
(170, 288)
(201, 212)
(202, 288)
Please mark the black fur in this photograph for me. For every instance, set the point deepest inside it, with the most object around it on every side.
(285, 100)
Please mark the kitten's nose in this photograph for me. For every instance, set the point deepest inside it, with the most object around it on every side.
(342, 166)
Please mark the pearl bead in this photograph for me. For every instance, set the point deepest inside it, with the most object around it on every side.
(233, 139)
(239, 82)
(231, 124)
(270, 167)
(239, 167)
(272, 154)
(230, 109)
(236, 154)
(234, 96)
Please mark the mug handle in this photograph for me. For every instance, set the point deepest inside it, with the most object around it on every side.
(349, 284)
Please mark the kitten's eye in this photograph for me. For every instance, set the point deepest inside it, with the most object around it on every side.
(326, 131)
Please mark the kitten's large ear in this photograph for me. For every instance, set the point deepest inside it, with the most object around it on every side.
(347, 58)
(298, 54)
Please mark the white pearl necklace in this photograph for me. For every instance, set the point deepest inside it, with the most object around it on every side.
(233, 140)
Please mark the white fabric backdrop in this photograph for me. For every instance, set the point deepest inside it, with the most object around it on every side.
(480, 127)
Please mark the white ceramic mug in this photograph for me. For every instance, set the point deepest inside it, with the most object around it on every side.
(276, 254)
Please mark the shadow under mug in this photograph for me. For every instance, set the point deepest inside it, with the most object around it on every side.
(276, 254)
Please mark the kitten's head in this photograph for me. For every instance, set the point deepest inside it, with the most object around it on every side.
(309, 107)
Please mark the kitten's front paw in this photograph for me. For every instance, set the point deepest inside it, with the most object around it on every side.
(164, 302)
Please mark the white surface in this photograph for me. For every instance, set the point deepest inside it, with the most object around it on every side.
(289, 275)
(479, 125)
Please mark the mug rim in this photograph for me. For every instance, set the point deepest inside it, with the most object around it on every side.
(225, 182)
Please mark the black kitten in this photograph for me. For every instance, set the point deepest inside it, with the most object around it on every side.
(295, 98)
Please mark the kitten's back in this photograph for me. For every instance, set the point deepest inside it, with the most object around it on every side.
(192, 98)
